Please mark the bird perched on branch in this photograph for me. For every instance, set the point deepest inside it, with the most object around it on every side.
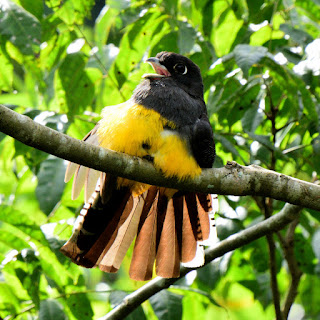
(164, 122)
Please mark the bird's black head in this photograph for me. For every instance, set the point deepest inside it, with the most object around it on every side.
(178, 68)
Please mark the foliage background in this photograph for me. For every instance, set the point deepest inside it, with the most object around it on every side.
(61, 62)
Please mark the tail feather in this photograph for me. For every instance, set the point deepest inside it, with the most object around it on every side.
(91, 181)
(168, 253)
(168, 230)
(203, 207)
(144, 252)
(70, 171)
(125, 235)
(189, 236)
(81, 173)
(100, 247)
(214, 207)
(78, 181)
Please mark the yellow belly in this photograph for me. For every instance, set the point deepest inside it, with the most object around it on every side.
(133, 129)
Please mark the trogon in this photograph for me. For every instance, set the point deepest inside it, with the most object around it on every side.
(165, 122)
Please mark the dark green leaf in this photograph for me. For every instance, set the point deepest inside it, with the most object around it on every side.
(310, 297)
(299, 36)
(209, 275)
(304, 254)
(51, 310)
(167, 305)
(186, 37)
(252, 118)
(246, 56)
(50, 183)
(20, 27)
(35, 7)
(30, 279)
(79, 304)
(261, 288)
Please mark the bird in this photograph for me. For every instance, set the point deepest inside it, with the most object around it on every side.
(166, 123)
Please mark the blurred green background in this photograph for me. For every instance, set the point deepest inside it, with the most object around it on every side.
(61, 62)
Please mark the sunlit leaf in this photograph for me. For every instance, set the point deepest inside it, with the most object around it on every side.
(73, 77)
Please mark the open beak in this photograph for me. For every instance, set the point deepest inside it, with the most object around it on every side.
(161, 70)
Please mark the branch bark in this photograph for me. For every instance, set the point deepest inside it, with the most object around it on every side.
(233, 179)
(268, 226)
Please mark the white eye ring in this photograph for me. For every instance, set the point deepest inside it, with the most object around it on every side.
(178, 68)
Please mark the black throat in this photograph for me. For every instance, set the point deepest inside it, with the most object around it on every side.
(170, 100)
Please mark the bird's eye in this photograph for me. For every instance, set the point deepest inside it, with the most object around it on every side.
(180, 68)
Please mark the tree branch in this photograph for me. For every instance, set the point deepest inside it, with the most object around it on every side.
(268, 226)
(232, 179)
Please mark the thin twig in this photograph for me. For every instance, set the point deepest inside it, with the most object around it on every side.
(272, 263)
(295, 273)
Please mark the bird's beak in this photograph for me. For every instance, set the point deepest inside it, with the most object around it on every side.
(160, 69)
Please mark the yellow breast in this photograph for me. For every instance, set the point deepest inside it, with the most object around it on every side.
(142, 132)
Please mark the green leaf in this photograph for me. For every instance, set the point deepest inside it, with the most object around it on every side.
(186, 37)
(261, 288)
(72, 12)
(316, 243)
(20, 27)
(104, 23)
(133, 46)
(79, 304)
(316, 146)
(228, 25)
(72, 77)
(171, 6)
(209, 275)
(50, 183)
(51, 310)
(12, 241)
(8, 300)
(30, 277)
(309, 294)
(246, 56)
(228, 145)
(6, 70)
(254, 7)
(304, 253)
(27, 224)
(35, 7)
(299, 36)
(252, 118)
(167, 305)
